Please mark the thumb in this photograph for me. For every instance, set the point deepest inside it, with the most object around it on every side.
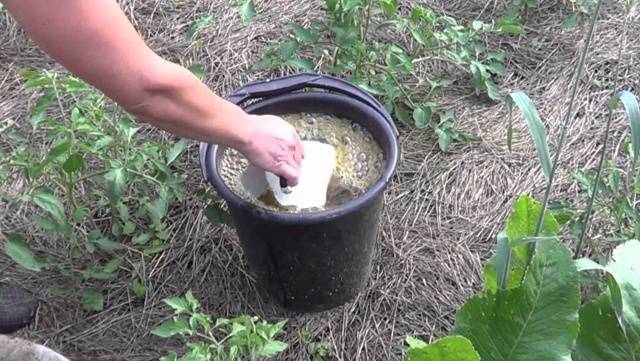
(289, 173)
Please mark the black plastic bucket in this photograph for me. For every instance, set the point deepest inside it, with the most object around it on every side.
(310, 262)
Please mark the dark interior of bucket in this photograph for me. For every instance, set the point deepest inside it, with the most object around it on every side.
(326, 103)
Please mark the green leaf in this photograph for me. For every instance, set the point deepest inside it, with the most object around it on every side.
(604, 335)
(200, 24)
(157, 210)
(37, 119)
(632, 109)
(46, 200)
(520, 225)
(571, 21)
(44, 102)
(422, 116)
(19, 251)
(524, 215)
(176, 150)
(80, 214)
(59, 149)
(217, 215)
(141, 239)
(370, 89)
(179, 304)
(172, 328)
(301, 63)
(92, 301)
(413, 342)
(418, 35)
(444, 139)
(116, 183)
(585, 264)
(403, 116)
(272, 348)
(536, 128)
(106, 244)
(198, 70)
(496, 68)
(247, 11)
(509, 25)
(46, 224)
(533, 322)
(389, 6)
(172, 356)
(128, 228)
(155, 248)
(138, 289)
(305, 35)
(287, 49)
(74, 163)
(452, 348)
(113, 265)
(192, 301)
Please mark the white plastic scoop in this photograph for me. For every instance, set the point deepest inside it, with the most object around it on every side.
(315, 174)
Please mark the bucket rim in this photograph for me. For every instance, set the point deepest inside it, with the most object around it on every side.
(207, 156)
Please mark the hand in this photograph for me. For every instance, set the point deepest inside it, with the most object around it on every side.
(274, 146)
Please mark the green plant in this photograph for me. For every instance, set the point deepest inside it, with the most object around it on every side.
(93, 183)
(224, 339)
(538, 316)
(315, 350)
(583, 9)
(342, 45)
(247, 11)
(531, 307)
(616, 200)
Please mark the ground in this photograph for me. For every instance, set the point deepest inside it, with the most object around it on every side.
(442, 211)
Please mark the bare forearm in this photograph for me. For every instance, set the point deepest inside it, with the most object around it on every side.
(175, 100)
(94, 40)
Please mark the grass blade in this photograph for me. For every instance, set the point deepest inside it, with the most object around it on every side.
(630, 103)
(536, 128)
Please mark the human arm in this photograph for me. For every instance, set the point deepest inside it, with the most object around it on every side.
(94, 40)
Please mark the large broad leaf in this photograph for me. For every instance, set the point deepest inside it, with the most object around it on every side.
(536, 321)
(536, 128)
(601, 336)
(452, 348)
(521, 224)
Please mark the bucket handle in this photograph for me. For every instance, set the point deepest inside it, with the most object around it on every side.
(301, 81)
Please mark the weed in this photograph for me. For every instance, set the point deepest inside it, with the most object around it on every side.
(342, 45)
(98, 187)
(220, 340)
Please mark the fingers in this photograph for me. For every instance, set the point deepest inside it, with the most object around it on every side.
(289, 173)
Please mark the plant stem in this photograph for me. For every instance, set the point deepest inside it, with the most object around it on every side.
(96, 174)
(603, 154)
(565, 125)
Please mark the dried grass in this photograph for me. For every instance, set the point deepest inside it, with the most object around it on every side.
(442, 210)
